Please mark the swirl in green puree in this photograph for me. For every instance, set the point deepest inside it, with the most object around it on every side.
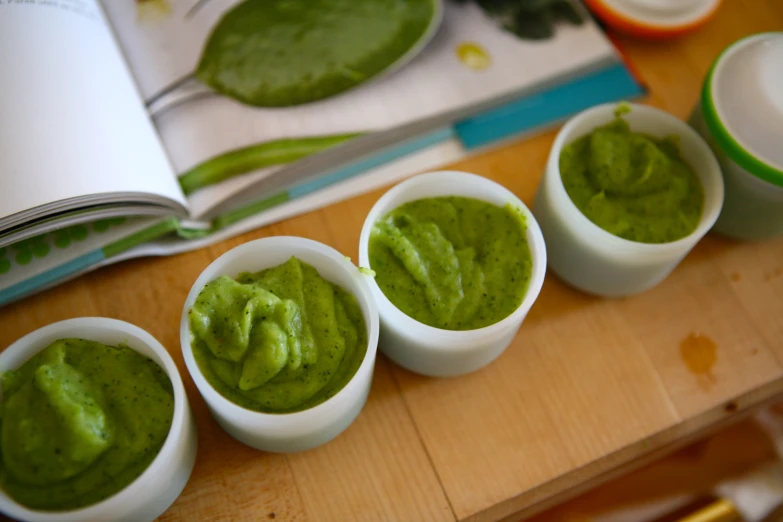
(451, 262)
(280, 340)
(635, 186)
(80, 421)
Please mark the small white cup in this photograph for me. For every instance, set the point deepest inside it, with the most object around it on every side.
(160, 484)
(596, 261)
(740, 115)
(433, 351)
(302, 430)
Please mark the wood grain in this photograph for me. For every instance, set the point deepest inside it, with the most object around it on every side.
(378, 467)
(664, 317)
(755, 271)
(588, 388)
(535, 413)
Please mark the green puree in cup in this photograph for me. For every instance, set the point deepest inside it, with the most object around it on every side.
(274, 53)
(79, 422)
(451, 262)
(632, 185)
(280, 340)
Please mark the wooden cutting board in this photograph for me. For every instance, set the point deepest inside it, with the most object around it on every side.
(589, 386)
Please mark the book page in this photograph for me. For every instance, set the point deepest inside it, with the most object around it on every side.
(72, 124)
(469, 62)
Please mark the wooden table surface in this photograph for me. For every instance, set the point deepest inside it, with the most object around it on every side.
(588, 387)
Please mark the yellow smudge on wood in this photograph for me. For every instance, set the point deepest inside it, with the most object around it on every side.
(700, 354)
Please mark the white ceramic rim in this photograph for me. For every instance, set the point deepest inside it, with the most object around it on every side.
(646, 12)
(591, 232)
(717, 101)
(158, 466)
(455, 341)
(277, 421)
(671, 6)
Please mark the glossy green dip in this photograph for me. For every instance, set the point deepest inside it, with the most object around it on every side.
(635, 186)
(80, 421)
(451, 262)
(280, 340)
(273, 53)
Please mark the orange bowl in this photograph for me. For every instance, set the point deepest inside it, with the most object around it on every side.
(636, 25)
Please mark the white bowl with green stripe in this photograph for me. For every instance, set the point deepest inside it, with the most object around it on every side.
(741, 117)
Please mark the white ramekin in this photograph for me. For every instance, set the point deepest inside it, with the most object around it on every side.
(434, 351)
(740, 115)
(160, 484)
(593, 260)
(302, 430)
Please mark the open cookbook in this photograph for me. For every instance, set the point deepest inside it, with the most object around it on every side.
(151, 127)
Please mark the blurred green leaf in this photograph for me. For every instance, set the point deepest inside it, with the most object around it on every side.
(531, 19)
(499, 7)
(565, 10)
(536, 5)
(534, 26)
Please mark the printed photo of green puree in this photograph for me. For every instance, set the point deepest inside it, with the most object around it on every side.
(634, 186)
(453, 263)
(286, 53)
(79, 422)
(277, 53)
(280, 340)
